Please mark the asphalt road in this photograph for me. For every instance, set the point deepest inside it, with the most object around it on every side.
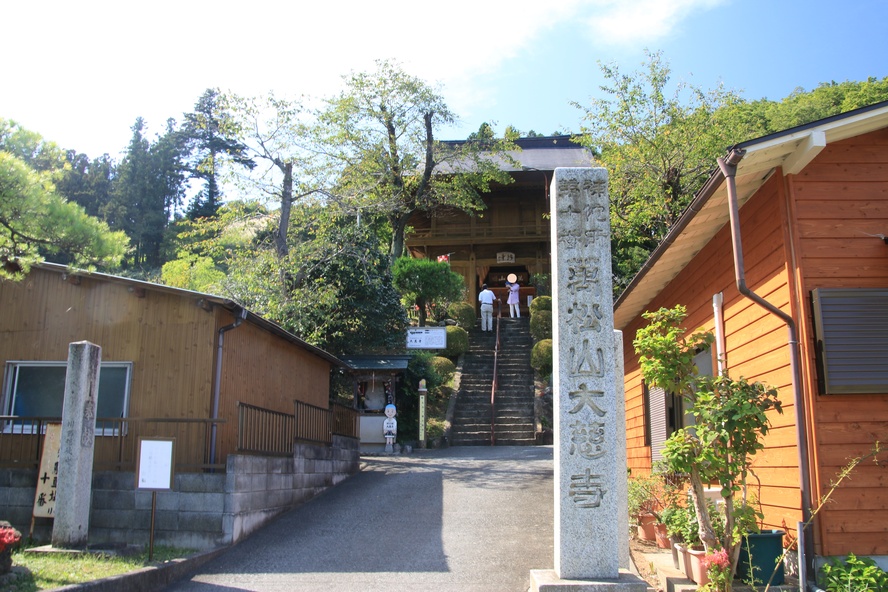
(463, 518)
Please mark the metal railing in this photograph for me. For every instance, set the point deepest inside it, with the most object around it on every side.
(264, 431)
(493, 382)
(21, 441)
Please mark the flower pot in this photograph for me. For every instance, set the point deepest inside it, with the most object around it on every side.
(677, 559)
(684, 559)
(663, 541)
(759, 553)
(647, 527)
(698, 572)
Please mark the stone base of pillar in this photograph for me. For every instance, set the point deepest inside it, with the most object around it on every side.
(547, 580)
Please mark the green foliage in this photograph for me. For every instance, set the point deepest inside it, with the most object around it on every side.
(211, 136)
(730, 418)
(541, 325)
(658, 148)
(463, 313)
(192, 272)
(681, 524)
(376, 142)
(424, 282)
(457, 342)
(34, 220)
(540, 303)
(443, 367)
(541, 281)
(666, 354)
(541, 357)
(854, 574)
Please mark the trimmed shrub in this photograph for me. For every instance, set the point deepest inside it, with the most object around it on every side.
(463, 313)
(541, 325)
(444, 367)
(540, 303)
(541, 357)
(457, 342)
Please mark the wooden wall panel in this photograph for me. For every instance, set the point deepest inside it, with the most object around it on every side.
(839, 201)
(171, 343)
(167, 337)
(756, 341)
(261, 369)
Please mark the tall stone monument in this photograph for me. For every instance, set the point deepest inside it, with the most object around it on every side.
(70, 526)
(591, 527)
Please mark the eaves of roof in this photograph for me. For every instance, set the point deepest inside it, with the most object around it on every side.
(226, 303)
(790, 150)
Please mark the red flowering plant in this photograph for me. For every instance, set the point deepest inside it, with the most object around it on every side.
(8, 537)
(718, 567)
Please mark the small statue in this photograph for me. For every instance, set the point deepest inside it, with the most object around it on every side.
(390, 427)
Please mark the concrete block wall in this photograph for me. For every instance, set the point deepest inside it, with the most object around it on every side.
(204, 510)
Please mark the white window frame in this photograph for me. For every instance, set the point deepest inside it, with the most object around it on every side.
(10, 384)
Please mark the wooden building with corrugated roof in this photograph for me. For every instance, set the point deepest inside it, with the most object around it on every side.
(512, 234)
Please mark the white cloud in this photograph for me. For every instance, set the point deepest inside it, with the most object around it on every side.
(84, 71)
(637, 22)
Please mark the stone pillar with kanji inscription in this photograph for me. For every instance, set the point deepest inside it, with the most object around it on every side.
(590, 433)
(70, 526)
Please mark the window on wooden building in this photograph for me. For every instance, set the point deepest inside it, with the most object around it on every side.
(666, 413)
(851, 332)
(37, 389)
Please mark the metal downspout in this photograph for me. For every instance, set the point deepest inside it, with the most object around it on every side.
(217, 379)
(728, 166)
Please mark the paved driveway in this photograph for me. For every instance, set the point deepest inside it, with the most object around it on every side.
(464, 518)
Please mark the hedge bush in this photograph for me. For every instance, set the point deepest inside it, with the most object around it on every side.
(457, 342)
(540, 303)
(541, 357)
(444, 367)
(463, 313)
(541, 325)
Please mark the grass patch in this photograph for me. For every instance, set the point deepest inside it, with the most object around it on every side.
(45, 571)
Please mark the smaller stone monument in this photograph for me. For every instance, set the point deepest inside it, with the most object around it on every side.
(390, 427)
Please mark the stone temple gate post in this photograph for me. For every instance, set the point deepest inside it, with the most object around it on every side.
(591, 523)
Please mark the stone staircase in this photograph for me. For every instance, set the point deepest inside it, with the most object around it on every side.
(515, 424)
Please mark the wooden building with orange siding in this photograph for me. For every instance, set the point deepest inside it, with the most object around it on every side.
(167, 353)
(812, 211)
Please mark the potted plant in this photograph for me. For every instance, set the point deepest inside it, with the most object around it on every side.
(730, 419)
(649, 495)
(643, 503)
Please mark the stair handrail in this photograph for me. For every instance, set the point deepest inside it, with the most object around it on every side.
(496, 344)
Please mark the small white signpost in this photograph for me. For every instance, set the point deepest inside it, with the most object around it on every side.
(154, 472)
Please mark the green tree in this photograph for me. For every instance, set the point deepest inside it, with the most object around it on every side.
(210, 134)
(375, 147)
(148, 189)
(424, 282)
(658, 149)
(35, 218)
(273, 130)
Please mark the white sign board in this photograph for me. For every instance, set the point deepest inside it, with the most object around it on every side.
(154, 470)
(505, 257)
(427, 338)
(47, 478)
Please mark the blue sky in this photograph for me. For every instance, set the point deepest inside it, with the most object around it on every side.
(80, 73)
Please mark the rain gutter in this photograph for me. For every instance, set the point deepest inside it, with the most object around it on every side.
(728, 167)
(217, 380)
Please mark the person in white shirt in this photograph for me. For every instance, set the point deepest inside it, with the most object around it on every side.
(486, 298)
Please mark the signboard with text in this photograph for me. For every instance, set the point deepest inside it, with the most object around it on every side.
(45, 496)
(427, 338)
